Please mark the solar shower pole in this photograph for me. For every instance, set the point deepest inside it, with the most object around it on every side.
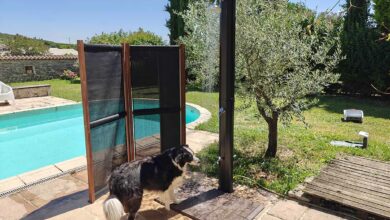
(226, 94)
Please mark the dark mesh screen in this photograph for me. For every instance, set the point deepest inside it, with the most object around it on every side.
(147, 135)
(106, 109)
(108, 143)
(156, 90)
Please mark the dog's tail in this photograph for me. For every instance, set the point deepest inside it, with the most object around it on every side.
(113, 208)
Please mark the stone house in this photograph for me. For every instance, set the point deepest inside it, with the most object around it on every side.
(31, 68)
(3, 49)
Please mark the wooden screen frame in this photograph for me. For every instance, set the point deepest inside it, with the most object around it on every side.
(182, 86)
(87, 129)
(126, 69)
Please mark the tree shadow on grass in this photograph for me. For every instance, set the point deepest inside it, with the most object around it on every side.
(372, 107)
(254, 170)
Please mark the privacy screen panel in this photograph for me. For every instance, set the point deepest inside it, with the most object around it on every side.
(155, 84)
(106, 110)
(147, 135)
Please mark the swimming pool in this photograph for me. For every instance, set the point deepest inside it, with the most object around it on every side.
(34, 139)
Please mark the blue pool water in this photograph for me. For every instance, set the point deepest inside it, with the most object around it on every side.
(33, 139)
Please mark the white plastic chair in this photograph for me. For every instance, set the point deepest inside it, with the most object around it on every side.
(6, 93)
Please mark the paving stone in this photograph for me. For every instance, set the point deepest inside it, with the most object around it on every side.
(11, 183)
(72, 164)
(318, 215)
(96, 209)
(81, 175)
(61, 205)
(11, 208)
(268, 217)
(36, 175)
(76, 214)
(287, 210)
(42, 194)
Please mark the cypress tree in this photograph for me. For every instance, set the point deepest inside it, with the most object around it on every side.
(382, 15)
(357, 44)
(381, 77)
(175, 23)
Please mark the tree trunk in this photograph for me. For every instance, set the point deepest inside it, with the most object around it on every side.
(272, 135)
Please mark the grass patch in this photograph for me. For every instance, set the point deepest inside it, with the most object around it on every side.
(59, 88)
(302, 151)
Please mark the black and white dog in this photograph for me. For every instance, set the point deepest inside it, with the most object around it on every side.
(162, 173)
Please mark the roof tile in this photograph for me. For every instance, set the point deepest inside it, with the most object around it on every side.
(40, 57)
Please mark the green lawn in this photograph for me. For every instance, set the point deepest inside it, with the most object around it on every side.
(302, 151)
(59, 88)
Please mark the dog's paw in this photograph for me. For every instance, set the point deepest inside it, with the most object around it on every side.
(177, 201)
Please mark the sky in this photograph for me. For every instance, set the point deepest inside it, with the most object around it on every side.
(71, 20)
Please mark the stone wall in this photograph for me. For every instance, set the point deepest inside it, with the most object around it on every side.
(15, 70)
(22, 92)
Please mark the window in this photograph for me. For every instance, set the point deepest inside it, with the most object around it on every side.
(30, 69)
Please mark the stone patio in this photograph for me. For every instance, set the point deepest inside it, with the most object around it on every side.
(33, 103)
(66, 198)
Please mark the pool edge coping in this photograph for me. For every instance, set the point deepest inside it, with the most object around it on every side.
(70, 102)
(204, 116)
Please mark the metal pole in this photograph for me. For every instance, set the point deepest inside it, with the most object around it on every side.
(226, 94)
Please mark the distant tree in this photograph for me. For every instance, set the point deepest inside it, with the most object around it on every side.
(202, 44)
(20, 45)
(175, 23)
(139, 37)
(357, 46)
(382, 16)
(283, 59)
(381, 74)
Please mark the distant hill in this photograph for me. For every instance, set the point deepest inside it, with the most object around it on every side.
(6, 37)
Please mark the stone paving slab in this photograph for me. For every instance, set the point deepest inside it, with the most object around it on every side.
(72, 164)
(197, 140)
(318, 215)
(268, 217)
(11, 183)
(39, 174)
(287, 210)
(11, 209)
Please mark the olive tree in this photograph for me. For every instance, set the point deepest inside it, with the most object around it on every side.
(284, 57)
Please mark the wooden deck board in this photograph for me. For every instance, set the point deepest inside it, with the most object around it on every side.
(360, 173)
(355, 179)
(362, 167)
(380, 165)
(355, 182)
(355, 186)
